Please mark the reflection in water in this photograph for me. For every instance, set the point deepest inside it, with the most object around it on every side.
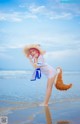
(63, 122)
(48, 115)
(49, 119)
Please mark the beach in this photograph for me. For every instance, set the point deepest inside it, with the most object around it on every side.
(20, 99)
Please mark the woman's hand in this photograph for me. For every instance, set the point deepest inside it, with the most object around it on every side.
(35, 65)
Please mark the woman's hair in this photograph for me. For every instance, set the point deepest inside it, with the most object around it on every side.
(34, 49)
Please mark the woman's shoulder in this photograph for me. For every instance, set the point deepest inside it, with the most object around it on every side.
(41, 58)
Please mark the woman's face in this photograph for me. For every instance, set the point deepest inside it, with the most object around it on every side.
(34, 53)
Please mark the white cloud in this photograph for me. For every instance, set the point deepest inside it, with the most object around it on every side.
(72, 8)
(16, 16)
(62, 54)
(49, 13)
(62, 16)
(56, 10)
(4, 48)
(37, 9)
(33, 11)
(27, 15)
(50, 52)
(2, 17)
(15, 19)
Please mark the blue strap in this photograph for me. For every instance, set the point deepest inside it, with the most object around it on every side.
(37, 74)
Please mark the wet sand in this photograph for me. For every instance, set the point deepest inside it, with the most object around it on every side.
(58, 112)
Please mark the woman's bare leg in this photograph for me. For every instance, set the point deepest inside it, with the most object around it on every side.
(48, 90)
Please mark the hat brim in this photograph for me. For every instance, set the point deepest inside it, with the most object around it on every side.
(28, 47)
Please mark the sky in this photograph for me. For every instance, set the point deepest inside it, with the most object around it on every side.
(54, 24)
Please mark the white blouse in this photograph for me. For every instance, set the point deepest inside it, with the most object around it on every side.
(46, 69)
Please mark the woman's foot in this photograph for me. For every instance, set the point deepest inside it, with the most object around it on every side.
(43, 104)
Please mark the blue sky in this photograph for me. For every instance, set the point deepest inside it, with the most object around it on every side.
(54, 24)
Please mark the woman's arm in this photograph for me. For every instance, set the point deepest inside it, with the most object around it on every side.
(37, 63)
(34, 64)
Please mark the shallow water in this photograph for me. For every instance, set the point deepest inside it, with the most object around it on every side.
(16, 86)
(20, 98)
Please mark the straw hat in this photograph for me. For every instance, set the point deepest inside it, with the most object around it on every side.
(36, 46)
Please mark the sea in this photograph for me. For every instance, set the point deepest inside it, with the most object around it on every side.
(17, 91)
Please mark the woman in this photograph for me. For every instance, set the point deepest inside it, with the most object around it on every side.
(35, 54)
